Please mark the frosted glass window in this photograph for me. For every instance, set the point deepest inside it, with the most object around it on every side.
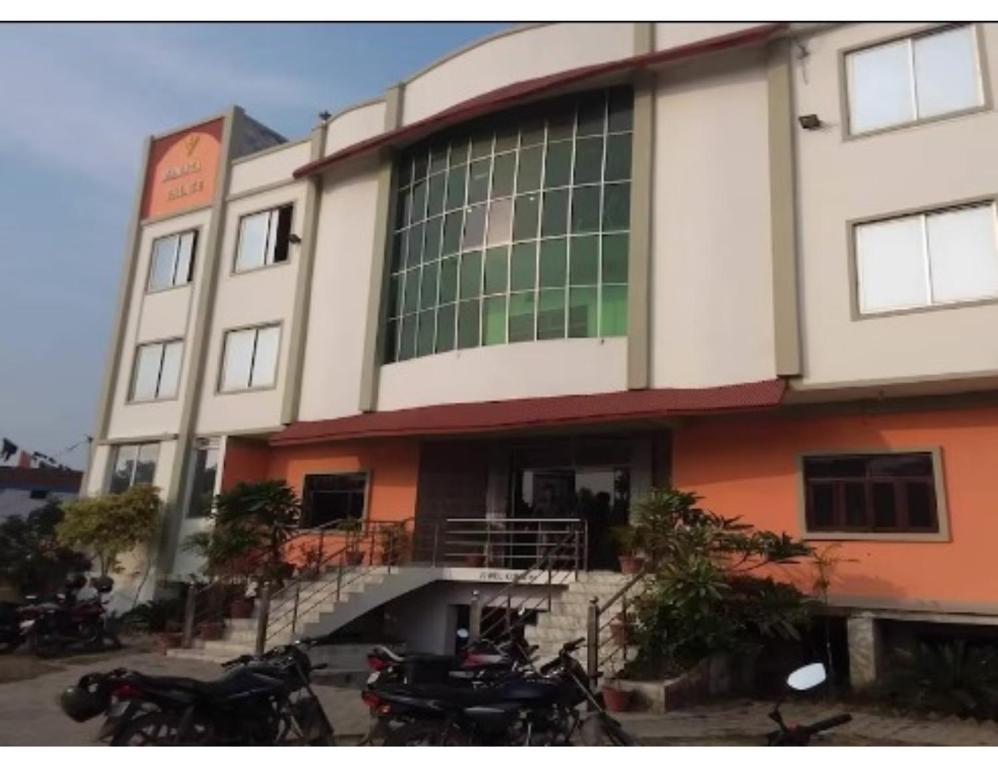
(962, 255)
(918, 77)
(146, 372)
(172, 259)
(157, 370)
(169, 375)
(891, 265)
(265, 360)
(263, 238)
(250, 358)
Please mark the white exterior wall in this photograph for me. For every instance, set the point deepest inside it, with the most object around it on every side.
(269, 167)
(353, 125)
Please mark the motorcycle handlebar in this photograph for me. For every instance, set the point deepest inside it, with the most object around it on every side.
(574, 645)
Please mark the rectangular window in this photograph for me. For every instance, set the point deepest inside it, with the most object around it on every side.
(132, 465)
(172, 260)
(157, 370)
(263, 238)
(329, 498)
(939, 257)
(249, 360)
(870, 493)
(923, 76)
(204, 469)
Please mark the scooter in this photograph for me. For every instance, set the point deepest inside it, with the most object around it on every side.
(803, 679)
(54, 626)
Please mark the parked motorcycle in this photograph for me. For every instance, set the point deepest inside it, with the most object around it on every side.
(64, 622)
(261, 700)
(803, 679)
(522, 706)
(11, 635)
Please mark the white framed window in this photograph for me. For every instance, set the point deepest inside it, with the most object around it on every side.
(263, 238)
(157, 370)
(923, 76)
(132, 464)
(203, 474)
(249, 359)
(927, 259)
(172, 260)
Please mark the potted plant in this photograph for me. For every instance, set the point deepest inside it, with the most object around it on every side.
(628, 539)
(394, 542)
(615, 698)
(351, 527)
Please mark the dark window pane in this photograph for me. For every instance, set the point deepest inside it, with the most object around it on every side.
(506, 137)
(615, 258)
(474, 228)
(532, 132)
(561, 122)
(420, 162)
(588, 160)
(419, 201)
(428, 288)
(471, 274)
(404, 172)
(529, 174)
(500, 216)
(494, 320)
(552, 263)
(558, 165)
(502, 174)
(521, 316)
(921, 506)
(445, 328)
(525, 216)
(478, 181)
(467, 323)
(435, 197)
(395, 295)
(415, 252)
(455, 187)
(585, 209)
(592, 115)
(411, 301)
(407, 338)
(523, 266)
(823, 505)
(458, 152)
(424, 338)
(613, 311)
(855, 505)
(835, 466)
(391, 340)
(481, 144)
(621, 109)
(582, 312)
(399, 244)
(403, 205)
(900, 465)
(328, 498)
(551, 314)
(618, 158)
(884, 506)
(616, 207)
(584, 256)
(452, 232)
(554, 219)
(448, 280)
(438, 158)
(431, 244)
(495, 270)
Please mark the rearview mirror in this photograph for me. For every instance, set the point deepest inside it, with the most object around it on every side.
(808, 677)
(463, 634)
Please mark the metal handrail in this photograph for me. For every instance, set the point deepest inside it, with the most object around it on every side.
(597, 626)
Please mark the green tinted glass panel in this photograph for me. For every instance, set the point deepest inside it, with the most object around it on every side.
(616, 207)
(614, 310)
(561, 121)
(428, 286)
(521, 316)
(618, 157)
(552, 266)
(582, 312)
(506, 136)
(400, 242)
(471, 274)
(424, 336)
(554, 219)
(621, 116)
(532, 132)
(404, 172)
(585, 209)
(615, 258)
(558, 165)
(407, 338)
(478, 181)
(448, 280)
(438, 158)
(502, 174)
(435, 197)
(415, 252)
(525, 216)
(395, 295)
(455, 187)
(584, 261)
(592, 115)
(391, 340)
(474, 228)
(403, 205)
(452, 231)
(523, 266)
(500, 219)
(458, 152)
(468, 323)
(420, 162)
(481, 144)
(411, 300)
(529, 174)
(445, 328)
(551, 314)
(588, 160)
(419, 201)
(431, 243)
(494, 320)
(495, 270)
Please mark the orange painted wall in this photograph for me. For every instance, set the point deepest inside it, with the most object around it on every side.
(246, 461)
(748, 466)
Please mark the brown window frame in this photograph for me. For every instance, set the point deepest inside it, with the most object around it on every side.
(899, 483)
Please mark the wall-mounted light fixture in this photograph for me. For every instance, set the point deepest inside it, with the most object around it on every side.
(294, 239)
(809, 122)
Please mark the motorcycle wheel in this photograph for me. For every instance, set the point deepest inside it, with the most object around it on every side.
(46, 646)
(602, 731)
(157, 729)
(425, 734)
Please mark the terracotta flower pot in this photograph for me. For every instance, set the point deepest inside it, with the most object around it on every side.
(354, 558)
(630, 564)
(211, 630)
(617, 700)
(241, 608)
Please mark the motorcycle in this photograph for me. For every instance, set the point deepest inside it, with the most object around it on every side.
(803, 679)
(52, 626)
(521, 707)
(261, 700)
(11, 635)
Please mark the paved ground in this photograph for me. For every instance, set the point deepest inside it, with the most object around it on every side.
(30, 714)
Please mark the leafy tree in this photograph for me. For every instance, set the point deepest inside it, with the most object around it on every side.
(109, 526)
(31, 557)
(253, 522)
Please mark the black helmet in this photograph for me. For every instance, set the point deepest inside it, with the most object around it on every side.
(87, 699)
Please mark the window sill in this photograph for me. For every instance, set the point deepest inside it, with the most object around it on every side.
(934, 537)
(253, 270)
(247, 390)
(168, 288)
(850, 136)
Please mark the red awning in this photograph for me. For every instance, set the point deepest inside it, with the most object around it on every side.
(534, 412)
(515, 92)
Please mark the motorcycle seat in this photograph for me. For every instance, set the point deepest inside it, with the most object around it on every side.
(238, 681)
(388, 653)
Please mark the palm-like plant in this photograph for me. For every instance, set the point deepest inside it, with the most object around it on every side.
(954, 677)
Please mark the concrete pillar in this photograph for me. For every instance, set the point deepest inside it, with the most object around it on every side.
(864, 650)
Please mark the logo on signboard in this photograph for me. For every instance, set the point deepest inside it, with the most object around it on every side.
(191, 142)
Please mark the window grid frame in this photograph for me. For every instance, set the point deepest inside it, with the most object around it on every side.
(271, 220)
(162, 344)
(219, 389)
(195, 233)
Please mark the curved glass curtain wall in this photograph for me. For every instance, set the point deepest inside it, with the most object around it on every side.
(513, 229)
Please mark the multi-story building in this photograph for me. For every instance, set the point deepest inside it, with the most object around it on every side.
(573, 261)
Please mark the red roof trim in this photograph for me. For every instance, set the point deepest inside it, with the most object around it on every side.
(525, 413)
(507, 95)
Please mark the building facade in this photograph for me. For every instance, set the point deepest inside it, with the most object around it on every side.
(574, 261)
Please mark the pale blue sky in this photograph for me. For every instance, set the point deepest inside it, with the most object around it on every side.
(75, 104)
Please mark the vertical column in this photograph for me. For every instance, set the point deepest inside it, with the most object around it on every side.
(639, 265)
(863, 636)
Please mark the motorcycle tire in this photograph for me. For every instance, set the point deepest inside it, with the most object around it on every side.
(46, 646)
(602, 731)
(426, 734)
(156, 729)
